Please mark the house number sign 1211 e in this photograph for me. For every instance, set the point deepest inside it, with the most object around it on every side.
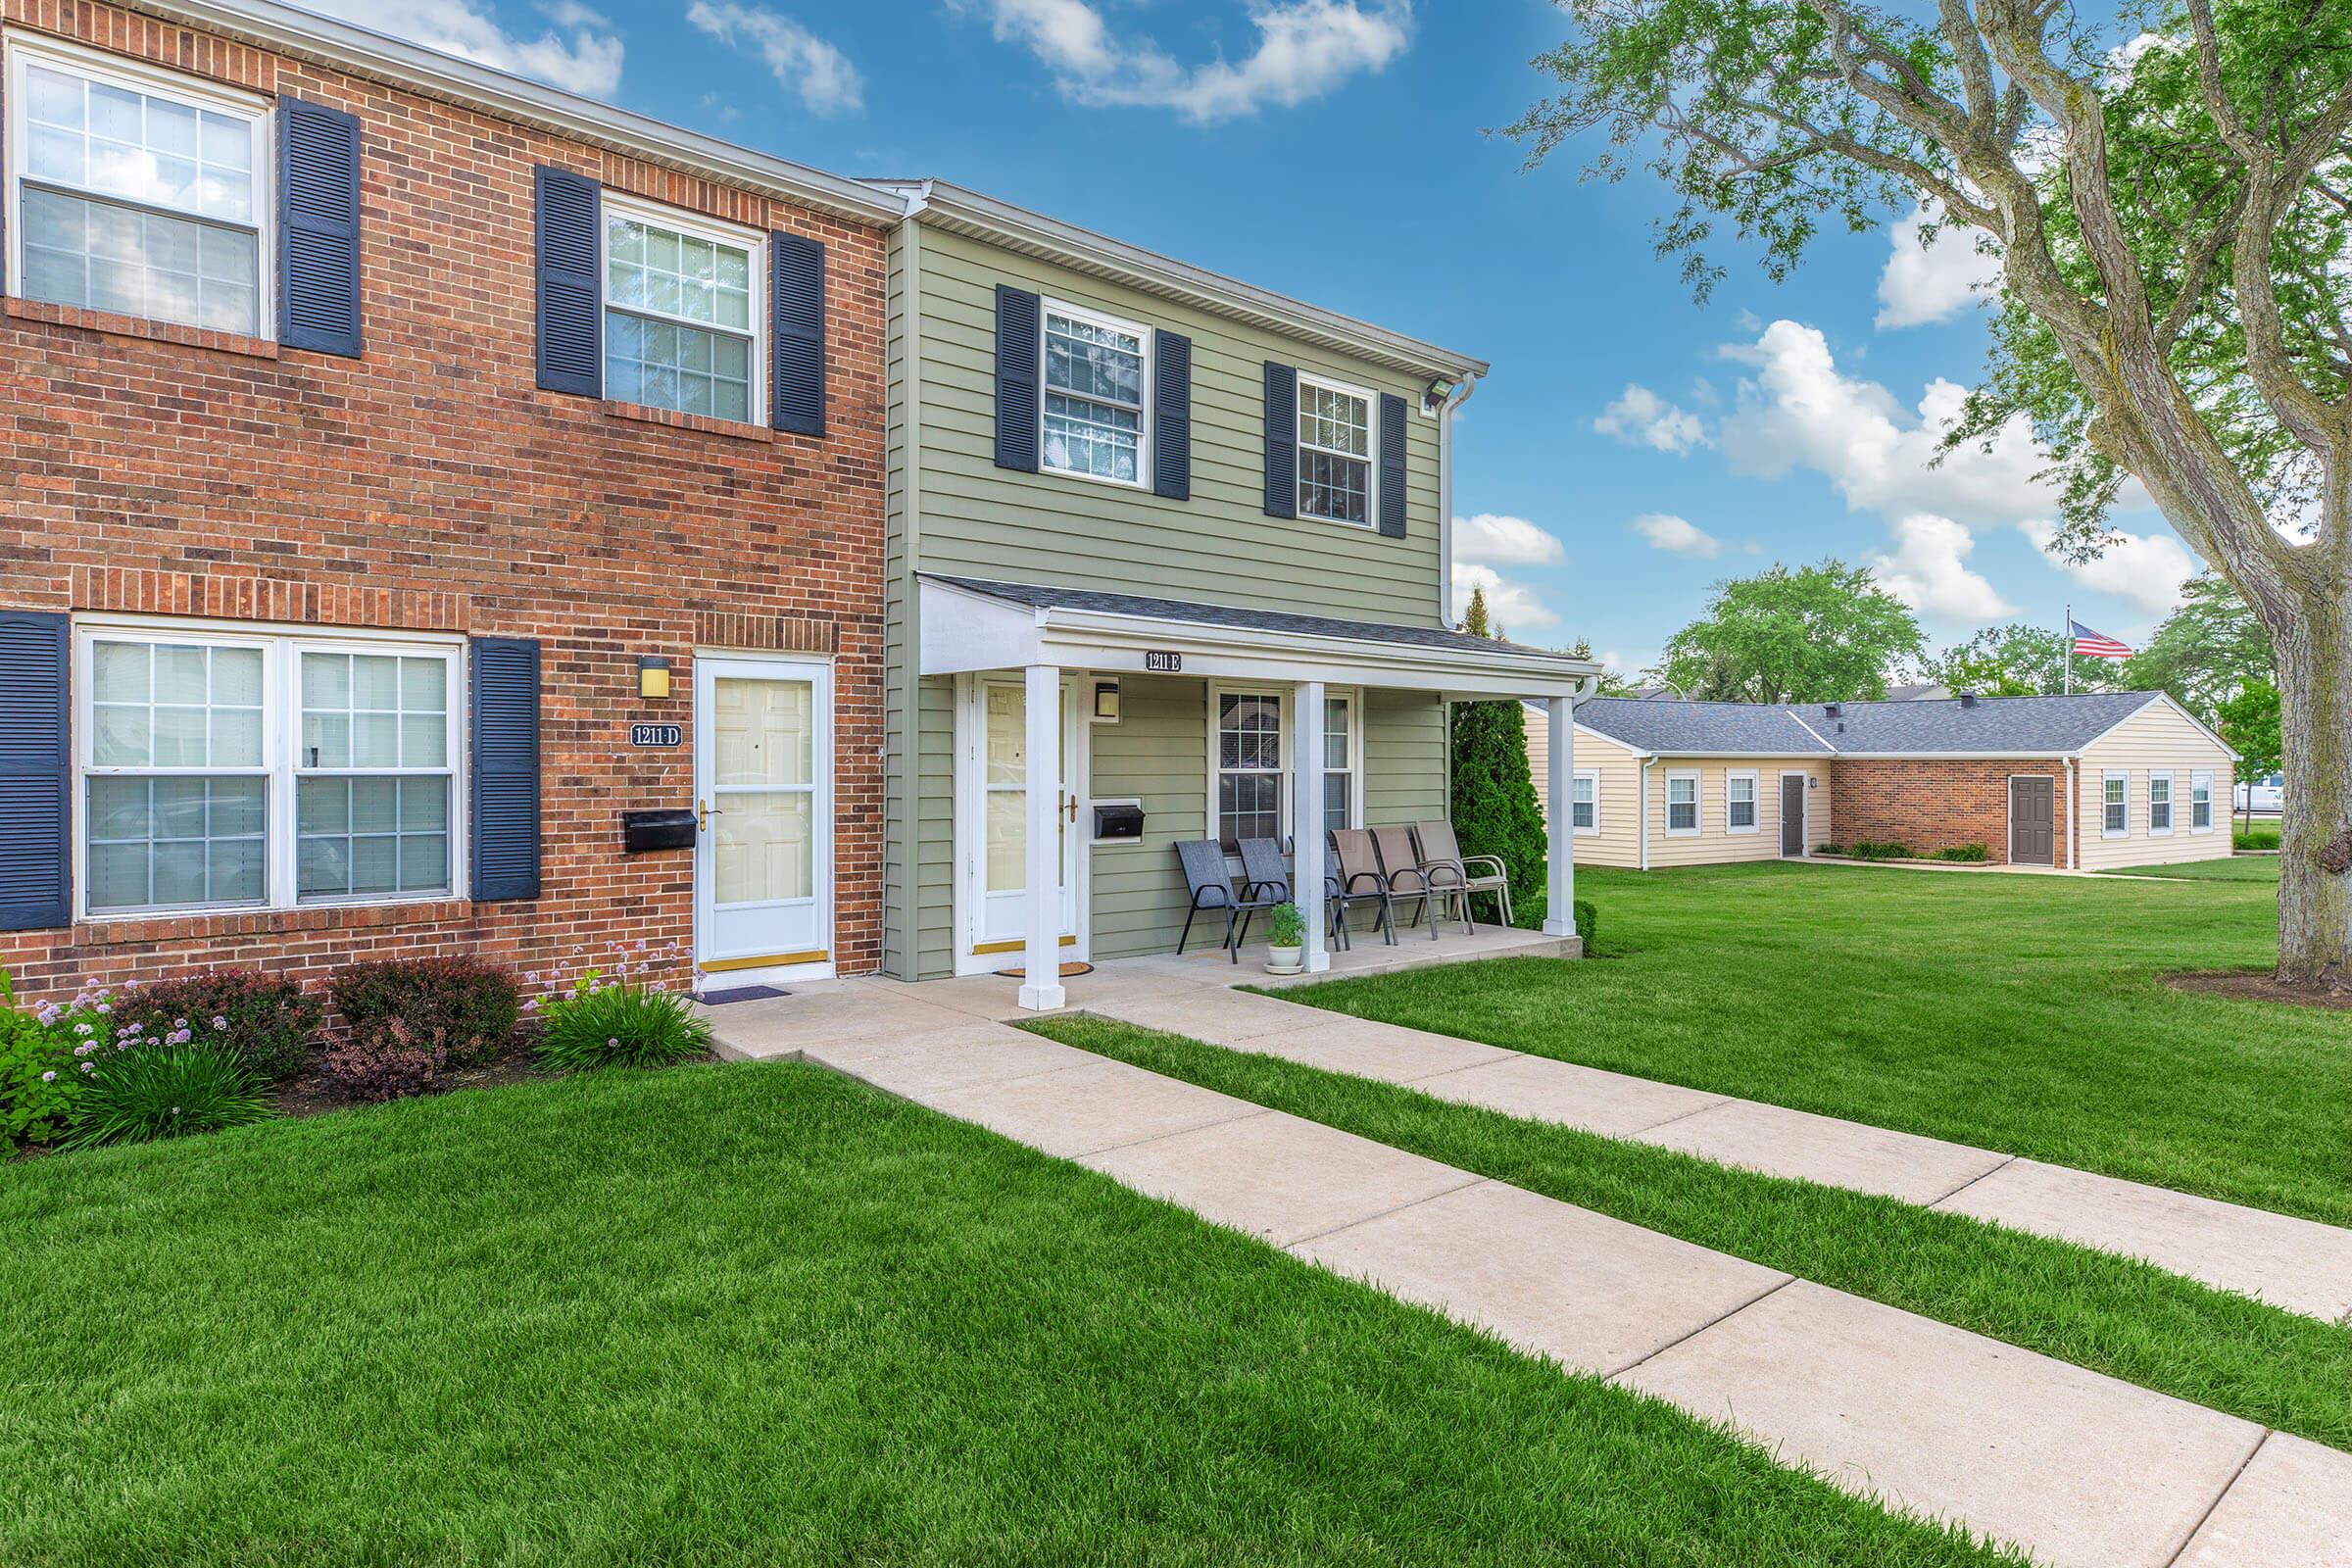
(1162, 663)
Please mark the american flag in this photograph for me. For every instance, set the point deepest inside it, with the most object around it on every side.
(2090, 644)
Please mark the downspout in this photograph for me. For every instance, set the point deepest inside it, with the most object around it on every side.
(2074, 813)
(1648, 762)
(1453, 400)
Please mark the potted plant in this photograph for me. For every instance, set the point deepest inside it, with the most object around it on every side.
(1289, 943)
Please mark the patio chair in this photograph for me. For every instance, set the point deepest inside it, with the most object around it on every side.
(1205, 878)
(1267, 867)
(1480, 874)
(1429, 887)
(1356, 879)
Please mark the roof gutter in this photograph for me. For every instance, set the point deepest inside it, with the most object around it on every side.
(1460, 394)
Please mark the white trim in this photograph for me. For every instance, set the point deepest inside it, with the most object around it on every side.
(2171, 801)
(1641, 811)
(1755, 801)
(17, 46)
(2009, 818)
(2205, 774)
(2107, 776)
(1371, 459)
(1804, 822)
(1576, 776)
(1047, 306)
(692, 226)
(710, 667)
(1698, 803)
(969, 846)
(1285, 715)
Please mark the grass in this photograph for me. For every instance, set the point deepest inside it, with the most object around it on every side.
(2116, 1315)
(2259, 836)
(759, 1313)
(2012, 1012)
(2263, 868)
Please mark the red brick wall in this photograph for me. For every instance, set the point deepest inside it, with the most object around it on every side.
(1936, 805)
(430, 485)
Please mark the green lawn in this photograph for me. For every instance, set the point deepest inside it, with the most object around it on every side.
(2014, 1012)
(2263, 868)
(2115, 1315)
(757, 1315)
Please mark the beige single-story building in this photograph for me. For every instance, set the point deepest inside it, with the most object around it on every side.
(2085, 782)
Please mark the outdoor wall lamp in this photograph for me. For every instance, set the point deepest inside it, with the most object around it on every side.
(1107, 701)
(653, 676)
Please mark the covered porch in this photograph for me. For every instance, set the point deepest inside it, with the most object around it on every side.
(1094, 731)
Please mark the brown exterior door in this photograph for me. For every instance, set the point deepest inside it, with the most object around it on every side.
(2032, 821)
(1793, 815)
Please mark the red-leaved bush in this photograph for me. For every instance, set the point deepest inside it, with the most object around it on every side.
(469, 1006)
(381, 1060)
(268, 1020)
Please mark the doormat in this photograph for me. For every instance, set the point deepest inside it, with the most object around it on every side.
(1069, 971)
(719, 998)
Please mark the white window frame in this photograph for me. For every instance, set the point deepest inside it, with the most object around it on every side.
(1353, 696)
(2170, 802)
(1756, 800)
(1371, 459)
(136, 75)
(1584, 775)
(281, 698)
(2201, 794)
(694, 225)
(1047, 308)
(1698, 804)
(2115, 775)
(1285, 716)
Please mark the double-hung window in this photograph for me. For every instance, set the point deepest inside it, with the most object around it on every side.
(1248, 767)
(2200, 803)
(1093, 405)
(1335, 452)
(1740, 801)
(683, 312)
(1583, 801)
(2160, 803)
(249, 770)
(1682, 805)
(2116, 805)
(136, 191)
(1339, 762)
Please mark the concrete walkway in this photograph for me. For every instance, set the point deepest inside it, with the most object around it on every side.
(2078, 1468)
(2298, 1265)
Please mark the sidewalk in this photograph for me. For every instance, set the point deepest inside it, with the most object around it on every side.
(2079, 1468)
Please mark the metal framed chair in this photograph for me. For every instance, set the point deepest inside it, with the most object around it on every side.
(1268, 867)
(1479, 873)
(1356, 879)
(1428, 887)
(1211, 891)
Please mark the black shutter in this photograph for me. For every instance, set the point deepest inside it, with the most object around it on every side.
(1018, 346)
(1392, 465)
(36, 772)
(1172, 415)
(571, 317)
(318, 228)
(1281, 440)
(506, 768)
(798, 265)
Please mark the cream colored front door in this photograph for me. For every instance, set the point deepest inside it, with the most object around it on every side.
(994, 775)
(764, 787)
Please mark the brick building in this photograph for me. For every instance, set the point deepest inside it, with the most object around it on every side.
(373, 427)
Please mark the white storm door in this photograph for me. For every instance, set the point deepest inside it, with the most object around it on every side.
(764, 786)
(997, 774)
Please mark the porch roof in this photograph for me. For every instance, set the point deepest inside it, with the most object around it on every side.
(971, 623)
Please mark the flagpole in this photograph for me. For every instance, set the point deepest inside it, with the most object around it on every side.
(2066, 654)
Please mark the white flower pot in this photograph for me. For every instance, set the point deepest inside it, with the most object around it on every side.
(1285, 961)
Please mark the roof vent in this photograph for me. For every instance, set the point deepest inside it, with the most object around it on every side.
(1968, 698)
(1833, 710)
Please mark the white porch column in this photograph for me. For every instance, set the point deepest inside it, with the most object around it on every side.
(1559, 821)
(1041, 954)
(1307, 819)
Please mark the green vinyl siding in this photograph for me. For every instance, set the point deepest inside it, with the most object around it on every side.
(1158, 752)
(1405, 757)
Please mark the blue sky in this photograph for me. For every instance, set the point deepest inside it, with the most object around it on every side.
(1631, 447)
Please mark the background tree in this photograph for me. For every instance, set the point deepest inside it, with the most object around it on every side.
(2015, 660)
(2206, 652)
(2175, 302)
(1814, 634)
(2248, 720)
(1494, 806)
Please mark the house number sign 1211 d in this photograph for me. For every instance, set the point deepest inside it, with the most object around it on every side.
(1162, 663)
(656, 734)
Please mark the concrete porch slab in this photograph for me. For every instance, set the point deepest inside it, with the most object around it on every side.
(1541, 1088)
(2290, 1508)
(1779, 1142)
(822, 1012)
(1592, 1293)
(2083, 1470)
(973, 1052)
(1275, 1176)
(1084, 1110)
(2299, 1264)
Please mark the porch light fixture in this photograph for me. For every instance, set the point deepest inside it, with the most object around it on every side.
(652, 676)
(1107, 702)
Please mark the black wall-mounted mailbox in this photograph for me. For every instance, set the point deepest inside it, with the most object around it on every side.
(641, 831)
(1119, 822)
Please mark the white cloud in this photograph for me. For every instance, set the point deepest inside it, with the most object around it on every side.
(804, 62)
(2148, 570)
(1928, 572)
(1639, 418)
(1666, 531)
(1512, 605)
(1925, 283)
(579, 53)
(1306, 48)
(1506, 542)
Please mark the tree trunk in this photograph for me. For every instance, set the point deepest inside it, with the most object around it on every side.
(2314, 827)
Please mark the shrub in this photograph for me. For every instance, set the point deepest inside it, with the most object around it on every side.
(1837, 849)
(1290, 927)
(1868, 850)
(384, 1059)
(1495, 809)
(2260, 836)
(467, 1008)
(1972, 852)
(145, 1090)
(606, 1022)
(37, 1080)
(1585, 919)
(268, 1020)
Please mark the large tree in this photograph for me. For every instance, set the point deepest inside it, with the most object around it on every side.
(1811, 634)
(2016, 661)
(2207, 651)
(2167, 189)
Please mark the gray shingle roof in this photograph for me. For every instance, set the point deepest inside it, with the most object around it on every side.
(2015, 724)
(1038, 597)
